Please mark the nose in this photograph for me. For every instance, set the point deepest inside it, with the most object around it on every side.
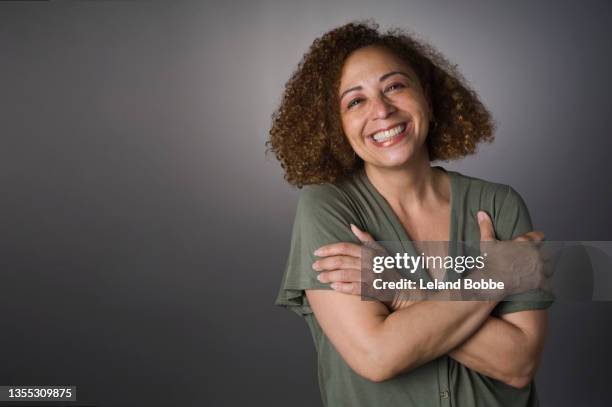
(382, 107)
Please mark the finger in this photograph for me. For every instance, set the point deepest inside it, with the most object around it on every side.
(487, 232)
(534, 236)
(361, 235)
(347, 288)
(366, 238)
(337, 263)
(338, 249)
(551, 259)
(340, 276)
(537, 236)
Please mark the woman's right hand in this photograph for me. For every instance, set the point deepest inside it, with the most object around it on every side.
(519, 263)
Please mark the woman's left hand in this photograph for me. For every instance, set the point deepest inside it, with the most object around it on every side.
(340, 263)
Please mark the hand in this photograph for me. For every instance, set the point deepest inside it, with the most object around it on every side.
(341, 263)
(519, 263)
(520, 266)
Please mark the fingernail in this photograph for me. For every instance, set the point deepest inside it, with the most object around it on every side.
(319, 277)
(335, 286)
(353, 227)
(315, 265)
(317, 252)
(481, 216)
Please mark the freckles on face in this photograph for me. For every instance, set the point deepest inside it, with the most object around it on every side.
(383, 108)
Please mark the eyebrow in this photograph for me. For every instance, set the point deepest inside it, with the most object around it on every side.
(382, 78)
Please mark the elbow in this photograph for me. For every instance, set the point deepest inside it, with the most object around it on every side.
(376, 373)
(376, 361)
(378, 367)
(519, 382)
(522, 377)
(371, 366)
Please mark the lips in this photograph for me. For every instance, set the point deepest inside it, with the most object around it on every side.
(391, 135)
(381, 131)
(383, 135)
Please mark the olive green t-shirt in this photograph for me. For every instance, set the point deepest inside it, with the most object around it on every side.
(323, 216)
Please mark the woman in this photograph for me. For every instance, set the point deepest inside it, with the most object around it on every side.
(361, 120)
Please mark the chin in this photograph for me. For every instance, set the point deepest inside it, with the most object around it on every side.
(395, 159)
(396, 156)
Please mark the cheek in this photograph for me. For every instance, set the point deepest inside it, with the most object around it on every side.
(352, 128)
(420, 110)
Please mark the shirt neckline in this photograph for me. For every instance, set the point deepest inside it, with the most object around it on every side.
(405, 241)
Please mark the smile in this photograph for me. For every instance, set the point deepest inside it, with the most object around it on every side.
(388, 137)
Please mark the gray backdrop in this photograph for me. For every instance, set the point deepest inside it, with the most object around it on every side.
(144, 232)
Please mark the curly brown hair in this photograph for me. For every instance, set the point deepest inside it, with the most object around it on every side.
(307, 136)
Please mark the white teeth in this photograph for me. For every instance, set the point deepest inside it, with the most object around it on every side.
(387, 134)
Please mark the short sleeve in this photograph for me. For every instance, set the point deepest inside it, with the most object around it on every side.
(323, 216)
(513, 220)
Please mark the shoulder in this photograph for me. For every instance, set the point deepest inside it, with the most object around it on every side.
(487, 191)
(502, 202)
(483, 187)
(327, 199)
(324, 214)
(320, 194)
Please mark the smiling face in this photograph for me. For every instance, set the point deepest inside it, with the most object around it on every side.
(383, 108)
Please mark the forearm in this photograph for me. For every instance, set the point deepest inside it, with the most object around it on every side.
(424, 331)
(499, 350)
(378, 345)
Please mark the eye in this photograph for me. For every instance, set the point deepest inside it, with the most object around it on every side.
(394, 86)
(354, 102)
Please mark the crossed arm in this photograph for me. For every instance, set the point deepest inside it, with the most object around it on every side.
(379, 343)
(507, 348)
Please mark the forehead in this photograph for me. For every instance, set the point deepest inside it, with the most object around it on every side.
(369, 63)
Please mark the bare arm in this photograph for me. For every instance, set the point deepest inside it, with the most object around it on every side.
(379, 345)
(504, 348)
(507, 348)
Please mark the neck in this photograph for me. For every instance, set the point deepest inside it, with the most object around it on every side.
(408, 186)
